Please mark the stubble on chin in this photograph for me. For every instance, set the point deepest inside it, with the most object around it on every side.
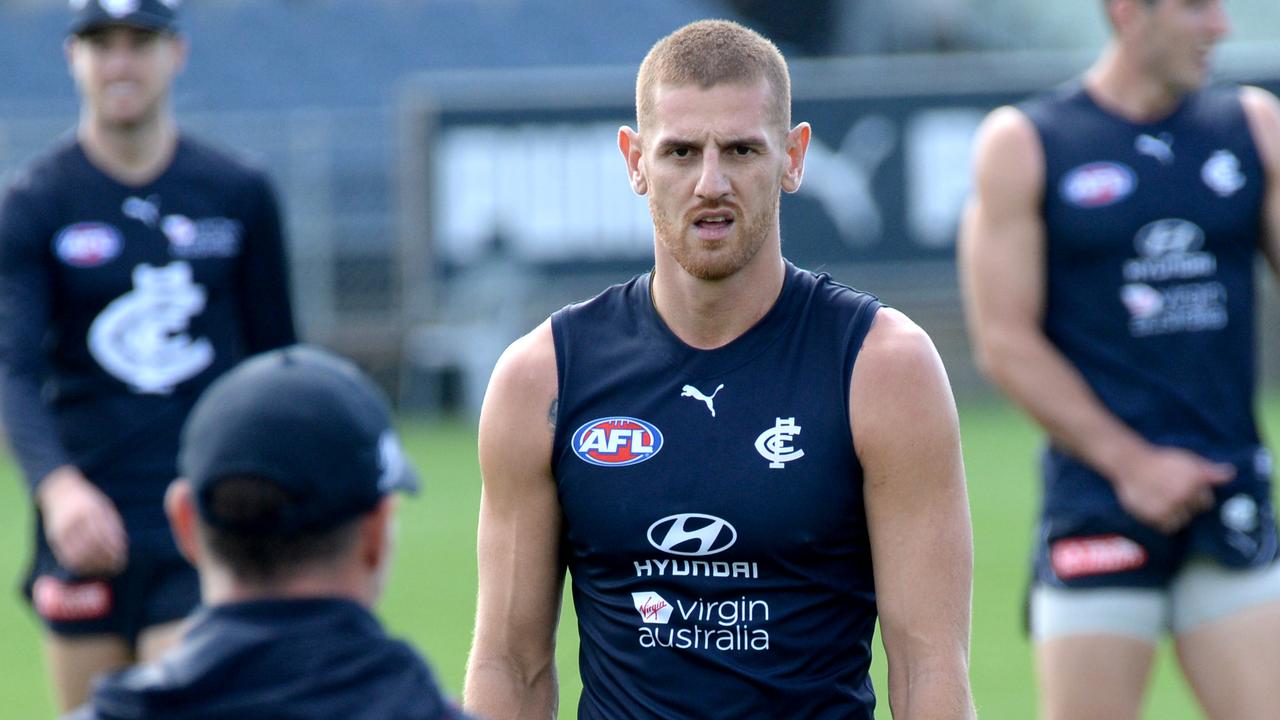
(737, 250)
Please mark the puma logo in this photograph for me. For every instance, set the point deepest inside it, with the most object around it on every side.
(695, 393)
(1160, 148)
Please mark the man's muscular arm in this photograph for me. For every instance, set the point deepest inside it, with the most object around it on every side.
(511, 671)
(907, 438)
(82, 526)
(1263, 112)
(1002, 271)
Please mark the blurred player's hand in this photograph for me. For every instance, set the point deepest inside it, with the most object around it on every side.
(1169, 486)
(83, 527)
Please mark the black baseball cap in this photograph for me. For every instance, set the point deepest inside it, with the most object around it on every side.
(309, 422)
(90, 15)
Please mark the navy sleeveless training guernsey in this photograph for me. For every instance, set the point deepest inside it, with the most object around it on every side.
(713, 516)
(1152, 234)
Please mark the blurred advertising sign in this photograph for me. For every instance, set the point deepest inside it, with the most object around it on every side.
(525, 164)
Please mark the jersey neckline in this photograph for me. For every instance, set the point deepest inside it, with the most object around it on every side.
(82, 155)
(698, 363)
(1169, 118)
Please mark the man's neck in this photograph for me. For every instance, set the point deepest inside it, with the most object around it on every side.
(1118, 83)
(710, 314)
(133, 155)
(218, 587)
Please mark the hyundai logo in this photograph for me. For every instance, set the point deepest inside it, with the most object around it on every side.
(1167, 236)
(692, 534)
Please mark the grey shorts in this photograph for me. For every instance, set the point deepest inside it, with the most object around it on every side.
(1201, 592)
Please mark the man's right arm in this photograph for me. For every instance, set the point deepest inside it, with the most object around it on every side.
(81, 524)
(1002, 256)
(511, 671)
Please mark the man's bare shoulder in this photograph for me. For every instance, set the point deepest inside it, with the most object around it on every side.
(1008, 144)
(900, 401)
(529, 361)
(1006, 122)
(1259, 100)
(1263, 112)
(896, 348)
(524, 385)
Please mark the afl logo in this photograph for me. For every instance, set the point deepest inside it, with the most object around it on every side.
(692, 534)
(87, 244)
(617, 441)
(1098, 184)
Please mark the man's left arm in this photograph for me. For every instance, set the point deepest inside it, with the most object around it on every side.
(266, 305)
(1263, 111)
(907, 437)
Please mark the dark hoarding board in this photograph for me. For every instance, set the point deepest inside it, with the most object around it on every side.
(525, 166)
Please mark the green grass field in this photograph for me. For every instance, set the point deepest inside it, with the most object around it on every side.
(431, 597)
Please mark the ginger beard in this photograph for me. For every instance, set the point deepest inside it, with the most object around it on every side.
(716, 258)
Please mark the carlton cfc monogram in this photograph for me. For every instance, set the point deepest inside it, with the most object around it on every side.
(774, 444)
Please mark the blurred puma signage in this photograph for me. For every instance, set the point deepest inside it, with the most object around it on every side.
(525, 164)
(877, 185)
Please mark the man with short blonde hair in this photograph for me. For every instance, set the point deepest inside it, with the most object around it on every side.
(736, 500)
(709, 53)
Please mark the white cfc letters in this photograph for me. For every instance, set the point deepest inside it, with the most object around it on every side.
(141, 336)
(775, 446)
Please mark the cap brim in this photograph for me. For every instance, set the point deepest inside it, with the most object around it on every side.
(139, 21)
(406, 481)
(398, 473)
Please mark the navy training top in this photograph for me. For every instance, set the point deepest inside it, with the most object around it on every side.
(119, 304)
(713, 517)
(277, 660)
(1152, 234)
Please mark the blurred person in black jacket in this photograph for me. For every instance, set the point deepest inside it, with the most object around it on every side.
(286, 509)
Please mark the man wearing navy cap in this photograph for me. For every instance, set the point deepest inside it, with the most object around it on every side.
(137, 264)
(285, 508)
(157, 15)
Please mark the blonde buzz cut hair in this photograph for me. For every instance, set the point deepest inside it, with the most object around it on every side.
(710, 52)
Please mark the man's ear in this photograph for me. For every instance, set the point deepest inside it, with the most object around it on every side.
(69, 52)
(1122, 14)
(375, 533)
(797, 146)
(183, 50)
(180, 508)
(629, 144)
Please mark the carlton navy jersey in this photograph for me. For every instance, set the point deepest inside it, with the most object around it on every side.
(713, 517)
(121, 303)
(1152, 235)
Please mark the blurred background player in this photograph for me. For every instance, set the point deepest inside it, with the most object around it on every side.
(1107, 261)
(735, 500)
(136, 264)
(285, 507)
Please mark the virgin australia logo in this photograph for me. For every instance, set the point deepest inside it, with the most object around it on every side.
(653, 609)
(774, 444)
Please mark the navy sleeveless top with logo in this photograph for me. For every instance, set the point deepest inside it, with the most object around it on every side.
(714, 523)
(1152, 232)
